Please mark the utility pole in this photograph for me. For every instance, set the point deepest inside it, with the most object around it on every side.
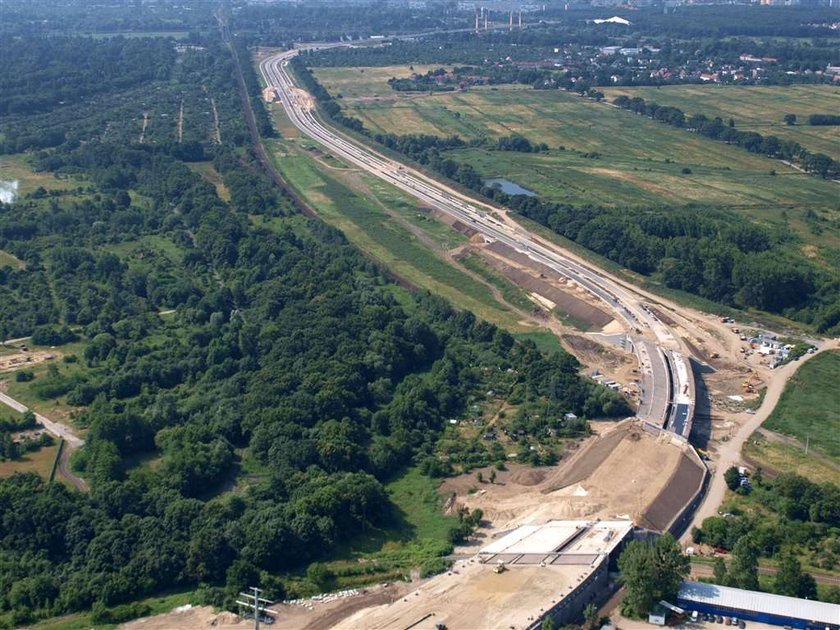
(256, 605)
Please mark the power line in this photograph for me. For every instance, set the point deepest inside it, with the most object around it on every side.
(252, 604)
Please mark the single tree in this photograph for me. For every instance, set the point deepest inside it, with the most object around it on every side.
(590, 616)
(493, 476)
(650, 572)
(479, 476)
(732, 478)
(790, 119)
(807, 586)
(789, 575)
(743, 569)
(721, 575)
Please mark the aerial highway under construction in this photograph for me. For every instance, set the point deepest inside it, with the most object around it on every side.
(667, 384)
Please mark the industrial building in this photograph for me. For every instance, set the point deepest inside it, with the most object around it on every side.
(554, 569)
(767, 608)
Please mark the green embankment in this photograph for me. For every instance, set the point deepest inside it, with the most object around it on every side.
(363, 219)
(416, 536)
(809, 409)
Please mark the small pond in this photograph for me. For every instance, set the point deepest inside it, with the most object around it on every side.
(509, 187)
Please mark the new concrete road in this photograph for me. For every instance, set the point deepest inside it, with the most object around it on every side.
(626, 305)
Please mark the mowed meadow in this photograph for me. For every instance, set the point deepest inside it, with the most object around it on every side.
(600, 154)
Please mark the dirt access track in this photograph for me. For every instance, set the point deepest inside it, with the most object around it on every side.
(624, 472)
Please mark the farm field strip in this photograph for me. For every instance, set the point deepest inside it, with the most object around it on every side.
(364, 82)
(755, 108)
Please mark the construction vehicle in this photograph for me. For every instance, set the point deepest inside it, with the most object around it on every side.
(748, 384)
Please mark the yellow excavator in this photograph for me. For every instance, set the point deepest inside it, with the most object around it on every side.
(748, 384)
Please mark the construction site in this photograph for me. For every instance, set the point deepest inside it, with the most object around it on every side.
(554, 569)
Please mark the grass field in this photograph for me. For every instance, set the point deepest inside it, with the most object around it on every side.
(206, 170)
(755, 108)
(809, 408)
(160, 244)
(17, 167)
(81, 621)
(782, 457)
(353, 83)
(53, 409)
(8, 260)
(414, 536)
(637, 162)
(39, 462)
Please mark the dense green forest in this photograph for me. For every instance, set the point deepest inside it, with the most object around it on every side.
(288, 352)
(701, 250)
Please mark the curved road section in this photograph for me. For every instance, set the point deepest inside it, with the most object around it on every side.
(661, 363)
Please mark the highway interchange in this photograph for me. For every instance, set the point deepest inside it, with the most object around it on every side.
(660, 363)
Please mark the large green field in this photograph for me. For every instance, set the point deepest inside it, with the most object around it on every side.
(755, 108)
(809, 408)
(605, 156)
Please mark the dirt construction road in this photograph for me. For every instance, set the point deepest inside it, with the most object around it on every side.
(729, 453)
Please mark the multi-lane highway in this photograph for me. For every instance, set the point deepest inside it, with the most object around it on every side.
(657, 360)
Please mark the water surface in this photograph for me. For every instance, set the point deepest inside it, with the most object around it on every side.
(509, 187)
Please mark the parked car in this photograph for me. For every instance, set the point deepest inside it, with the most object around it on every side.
(718, 619)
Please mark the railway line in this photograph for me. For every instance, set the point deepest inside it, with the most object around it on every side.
(665, 372)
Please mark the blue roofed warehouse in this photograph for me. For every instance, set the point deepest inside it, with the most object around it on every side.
(762, 607)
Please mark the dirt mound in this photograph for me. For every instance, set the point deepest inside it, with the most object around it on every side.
(188, 618)
(528, 477)
(226, 618)
(622, 472)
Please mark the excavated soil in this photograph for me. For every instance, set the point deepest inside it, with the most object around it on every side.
(621, 473)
